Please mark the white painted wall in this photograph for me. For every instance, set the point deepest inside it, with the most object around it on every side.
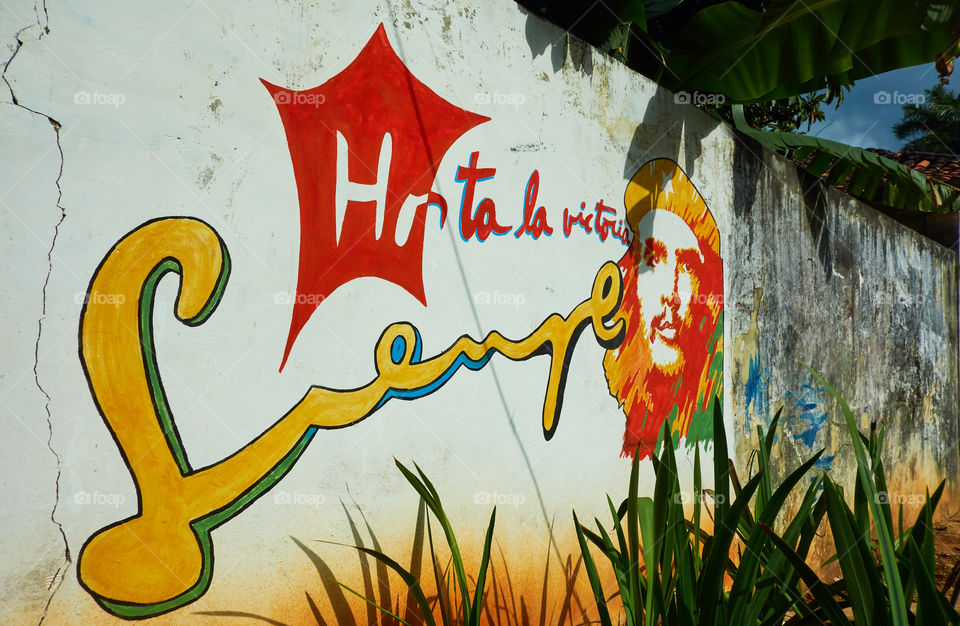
(162, 113)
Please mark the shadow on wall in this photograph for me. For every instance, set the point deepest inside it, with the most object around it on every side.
(666, 129)
(747, 166)
(541, 35)
(815, 205)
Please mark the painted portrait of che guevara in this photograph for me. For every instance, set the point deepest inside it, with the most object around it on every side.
(669, 366)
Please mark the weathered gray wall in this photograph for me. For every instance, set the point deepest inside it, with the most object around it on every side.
(870, 304)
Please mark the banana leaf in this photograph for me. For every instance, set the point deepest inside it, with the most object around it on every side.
(792, 48)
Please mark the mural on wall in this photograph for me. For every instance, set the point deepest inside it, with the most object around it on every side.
(657, 314)
(670, 365)
(162, 557)
(356, 221)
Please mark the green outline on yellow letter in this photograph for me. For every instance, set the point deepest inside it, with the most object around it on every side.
(162, 558)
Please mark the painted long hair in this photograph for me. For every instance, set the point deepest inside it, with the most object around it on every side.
(685, 393)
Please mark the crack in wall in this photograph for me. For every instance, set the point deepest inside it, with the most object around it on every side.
(6, 65)
(59, 574)
(43, 24)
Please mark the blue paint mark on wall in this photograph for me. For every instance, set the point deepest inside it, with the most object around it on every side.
(810, 416)
(756, 392)
(825, 463)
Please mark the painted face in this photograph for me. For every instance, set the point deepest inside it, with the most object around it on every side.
(665, 283)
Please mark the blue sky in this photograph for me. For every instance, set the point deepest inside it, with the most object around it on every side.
(863, 121)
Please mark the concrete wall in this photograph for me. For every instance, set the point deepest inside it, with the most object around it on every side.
(863, 300)
(116, 116)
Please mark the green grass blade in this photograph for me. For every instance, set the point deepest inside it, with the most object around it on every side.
(697, 505)
(846, 540)
(617, 560)
(929, 600)
(660, 541)
(482, 574)
(427, 483)
(618, 528)
(721, 469)
(861, 510)
(645, 516)
(919, 528)
(766, 447)
(439, 577)
(429, 493)
(820, 592)
(592, 575)
(774, 600)
(741, 593)
(891, 576)
(628, 567)
(711, 592)
(598, 539)
(881, 482)
(633, 535)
